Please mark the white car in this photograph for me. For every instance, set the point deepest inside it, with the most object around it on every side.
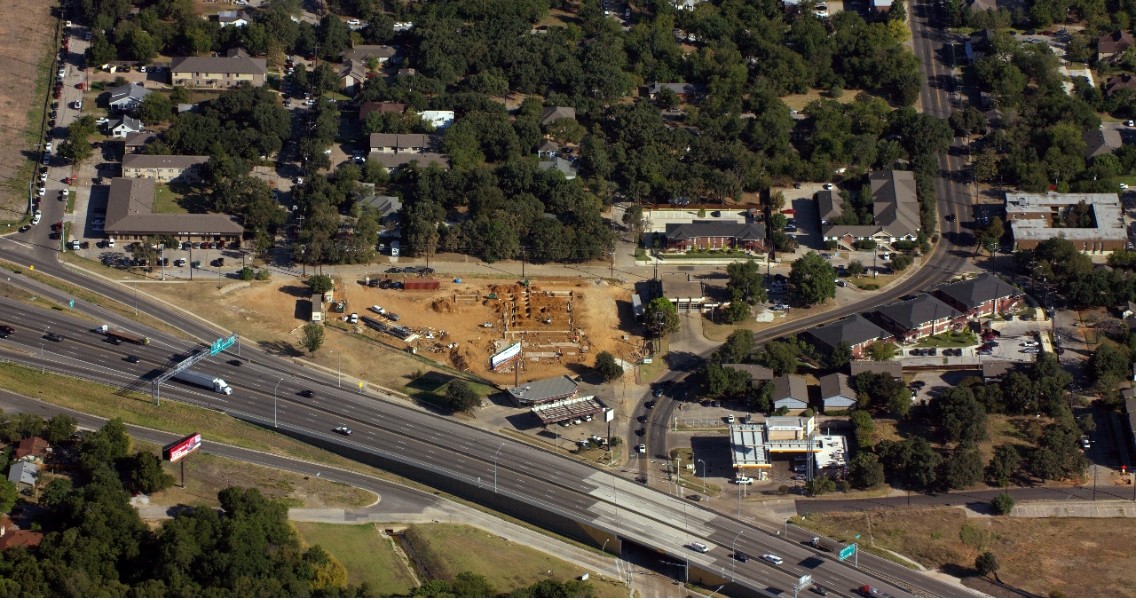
(642, 448)
(699, 546)
(48, 147)
(354, 22)
(353, 318)
(378, 309)
(1029, 344)
(41, 191)
(36, 218)
(772, 559)
(78, 105)
(1130, 123)
(743, 480)
(63, 72)
(1123, 186)
(43, 177)
(780, 307)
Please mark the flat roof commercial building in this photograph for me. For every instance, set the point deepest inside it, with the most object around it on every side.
(1035, 218)
(544, 391)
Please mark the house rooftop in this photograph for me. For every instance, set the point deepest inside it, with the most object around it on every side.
(975, 291)
(129, 211)
(921, 309)
(162, 161)
(889, 367)
(238, 63)
(790, 386)
(756, 372)
(852, 330)
(729, 229)
(836, 384)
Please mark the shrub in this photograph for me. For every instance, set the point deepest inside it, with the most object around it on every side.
(865, 244)
(247, 274)
(1002, 504)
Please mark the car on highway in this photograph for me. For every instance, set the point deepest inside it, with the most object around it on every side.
(868, 591)
(772, 559)
(308, 394)
(342, 430)
(53, 337)
(741, 556)
(700, 547)
(649, 404)
(6, 330)
(657, 392)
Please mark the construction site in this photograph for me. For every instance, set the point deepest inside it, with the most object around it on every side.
(560, 325)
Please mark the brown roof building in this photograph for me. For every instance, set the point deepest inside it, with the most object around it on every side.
(130, 217)
(1114, 43)
(163, 167)
(10, 537)
(1126, 81)
(215, 72)
(380, 107)
(32, 446)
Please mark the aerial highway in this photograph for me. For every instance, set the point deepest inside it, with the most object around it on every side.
(268, 391)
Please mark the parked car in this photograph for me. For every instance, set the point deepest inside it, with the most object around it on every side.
(642, 448)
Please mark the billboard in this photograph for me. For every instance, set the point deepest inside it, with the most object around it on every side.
(505, 356)
(180, 449)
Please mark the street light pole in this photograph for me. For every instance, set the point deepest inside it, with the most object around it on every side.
(339, 369)
(734, 555)
(495, 466)
(42, 366)
(274, 401)
(703, 475)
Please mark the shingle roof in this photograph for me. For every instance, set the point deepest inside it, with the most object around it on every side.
(548, 147)
(790, 386)
(921, 309)
(129, 211)
(552, 114)
(545, 389)
(890, 367)
(835, 384)
(239, 64)
(1120, 82)
(829, 205)
(563, 165)
(162, 161)
(972, 293)
(32, 446)
(23, 472)
(851, 330)
(386, 205)
(1101, 141)
(756, 372)
(128, 122)
(140, 139)
(394, 161)
(380, 107)
(399, 140)
(699, 229)
(1118, 41)
(678, 88)
(129, 90)
(895, 202)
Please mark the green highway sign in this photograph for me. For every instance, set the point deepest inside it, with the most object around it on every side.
(847, 551)
(221, 345)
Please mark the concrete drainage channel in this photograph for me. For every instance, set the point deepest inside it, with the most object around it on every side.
(398, 543)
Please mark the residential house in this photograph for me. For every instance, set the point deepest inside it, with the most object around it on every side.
(217, 72)
(1128, 311)
(715, 235)
(233, 18)
(362, 63)
(164, 167)
(895, 206)
(136, 142)
(881, 6)
(406, 72)
(685, 91)
(438, 119)
(388, 207)
(1126, 81)
(13, 537)
(548, 149)
(128, 97)
(854, 330)
(130, 217)
(565, 166)
(836, 392)
(1104, 140)
(757, 373)
(919, 317)
(995, 370)
(790, 392)
(23, 473)
(553, 114)
(124, 126)
(395, 150)
(1110, 45)
(34, 447)
(980, 296)
(380, 107)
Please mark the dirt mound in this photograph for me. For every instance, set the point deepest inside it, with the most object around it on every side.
(441, 305)
(461, 358)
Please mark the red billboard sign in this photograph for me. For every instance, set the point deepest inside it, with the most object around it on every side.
(179, 449)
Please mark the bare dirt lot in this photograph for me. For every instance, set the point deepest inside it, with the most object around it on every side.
(448, 324)
(27, 41)
(1087, 558)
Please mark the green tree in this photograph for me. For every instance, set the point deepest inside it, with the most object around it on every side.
(1002, 504)
(960, 416)
(607, 367)
(146, 475)
(820, 485)
(461, 397)
(8, 496)
(1003, 465)
(661, 317)
(155, 108)
(321, 284)
(59, 428)
(963, 468)
(864, 428)
(865, 471)
(746, 281)
(736, 348)
(881, 351)
(104, 446)
(722, 381)
(812, 280)
(312, 338)
(782, 357)
(855, 268)
(900, 262)
(840, 356)
(986, 563)
(737, 311)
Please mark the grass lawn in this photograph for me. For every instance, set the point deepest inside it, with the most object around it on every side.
(1055, 557)
(950, 339)
(651, 372)
(365, 553)
(443, 551)
(166, 201)
(206, 475)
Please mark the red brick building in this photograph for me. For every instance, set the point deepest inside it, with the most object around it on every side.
(715, 235)
(981, 296)
(919, 317)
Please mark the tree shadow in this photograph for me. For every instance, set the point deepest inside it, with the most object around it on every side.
(681, 361)
(298, 291)
(280, 348)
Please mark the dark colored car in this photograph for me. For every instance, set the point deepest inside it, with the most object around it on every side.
(342, 430)
(131, 358)
(54, 337)
(650, 404)
(236, 362)
(308, 394)
(6, 331)
(741, 556)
